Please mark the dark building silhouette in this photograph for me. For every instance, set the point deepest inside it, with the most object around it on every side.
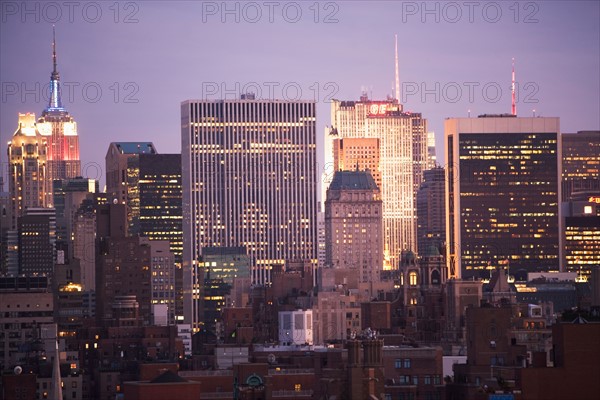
(574, 375)
(581, 163)
(123, 177)
(37, 241)
(431, 210)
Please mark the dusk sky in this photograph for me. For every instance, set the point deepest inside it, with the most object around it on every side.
(160, 53)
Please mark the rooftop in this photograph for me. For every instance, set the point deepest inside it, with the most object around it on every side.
(135, 147)
(353, 180)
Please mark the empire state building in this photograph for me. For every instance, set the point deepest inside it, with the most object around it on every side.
(61, 130)
(41, 152)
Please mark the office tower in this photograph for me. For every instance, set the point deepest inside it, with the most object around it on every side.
(403, 157)
(160, 210)
(5, 227)
(149, 184)
(431, 211)
(60, 129)
(582, 233)
(353, 225)
(84, 243)
(502, 194)
(431, 157)
(160, 200)
(581, 162)
(68, 194)
(163, 276)
(226, 263)
(360, 154)
(27, 155)
(222, 268)
(123, 269)
(132, 270)
(37, 241)
(321, 245)
(249, 179)
(123, 177)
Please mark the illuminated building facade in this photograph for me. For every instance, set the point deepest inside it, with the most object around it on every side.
(361, 154)
(402, 159)
(431, 211)
(60, 129)
(226, 263)
(431, 156)
(123, 177)
(502, 194)
(28, 185)
(581, 162)
(249, 179)
(37, 241)
(160, 199)
(582, 233)
(41, 152)
(353, 225)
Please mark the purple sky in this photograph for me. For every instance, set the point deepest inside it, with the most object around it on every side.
(173, 51)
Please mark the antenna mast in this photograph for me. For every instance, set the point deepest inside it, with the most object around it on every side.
(397, 74)
(513, 108)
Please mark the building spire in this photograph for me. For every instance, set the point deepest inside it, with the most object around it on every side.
(513, 109)
(397, 74)
(55, 101)
(54, 71)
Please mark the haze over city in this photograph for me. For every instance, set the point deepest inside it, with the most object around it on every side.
(310, 200)
(126, 67)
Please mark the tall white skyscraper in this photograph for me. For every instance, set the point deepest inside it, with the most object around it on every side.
(249, 179)
(402, 160)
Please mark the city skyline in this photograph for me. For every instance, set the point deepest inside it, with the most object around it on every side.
(143, 78)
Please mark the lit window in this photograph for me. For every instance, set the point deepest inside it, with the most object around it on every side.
(297, 387)
(412, 278)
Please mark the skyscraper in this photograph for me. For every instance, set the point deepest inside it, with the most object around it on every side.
(41, 152)
(431, 211)
(68, 194)
(249, 179)
(37, 241)
(61, 130)
(502, 194)
(403, 158)
(353, 228)
(160, 200)
(361, 154)
(581, 162)
(123, 177)
(581, 216)
(29, 185)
